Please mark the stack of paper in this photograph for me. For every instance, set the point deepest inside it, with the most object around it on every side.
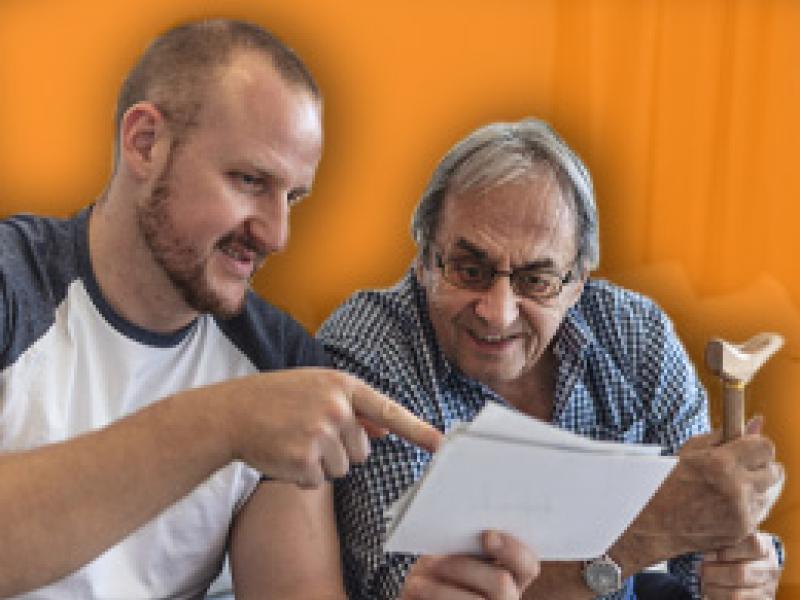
(565, 496)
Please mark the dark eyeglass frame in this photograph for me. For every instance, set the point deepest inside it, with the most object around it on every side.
(514, 276)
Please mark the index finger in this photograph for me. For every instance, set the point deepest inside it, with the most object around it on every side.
(384, 412)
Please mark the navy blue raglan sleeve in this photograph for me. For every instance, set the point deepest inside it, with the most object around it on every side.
(271, 339)
(302, 349)
(5, 325)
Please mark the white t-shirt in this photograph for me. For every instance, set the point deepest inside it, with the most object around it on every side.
(69, 365)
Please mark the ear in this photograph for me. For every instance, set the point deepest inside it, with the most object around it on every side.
(143, 134)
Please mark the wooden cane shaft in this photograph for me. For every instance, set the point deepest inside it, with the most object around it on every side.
(732, 410)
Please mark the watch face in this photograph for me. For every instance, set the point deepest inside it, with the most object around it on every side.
(603, 576)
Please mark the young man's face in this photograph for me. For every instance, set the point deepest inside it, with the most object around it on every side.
(497, 336)
(221, 203)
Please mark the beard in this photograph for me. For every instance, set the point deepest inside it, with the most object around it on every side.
(182, 261)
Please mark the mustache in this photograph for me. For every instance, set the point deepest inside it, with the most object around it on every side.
(247, 242)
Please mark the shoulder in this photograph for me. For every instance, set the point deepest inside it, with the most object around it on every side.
(605, 306)
(39, 258)
(49, 245)
(624, 326)
(270, 337)
(601, 297)
(633, 332)
(372, 322)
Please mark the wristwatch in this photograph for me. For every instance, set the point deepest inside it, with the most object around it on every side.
(602, 575)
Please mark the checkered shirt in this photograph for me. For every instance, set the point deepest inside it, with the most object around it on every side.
(623, 375)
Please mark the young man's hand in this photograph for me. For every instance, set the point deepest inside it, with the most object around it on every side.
(309, 425)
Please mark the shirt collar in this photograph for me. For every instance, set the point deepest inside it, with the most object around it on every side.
(574, 336)
(420, 299)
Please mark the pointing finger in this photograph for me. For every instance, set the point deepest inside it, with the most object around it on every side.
(382, 412)
(372, 430)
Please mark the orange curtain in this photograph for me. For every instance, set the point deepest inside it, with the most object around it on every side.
(685, 111)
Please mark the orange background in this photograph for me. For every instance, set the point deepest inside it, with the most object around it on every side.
(686, 111)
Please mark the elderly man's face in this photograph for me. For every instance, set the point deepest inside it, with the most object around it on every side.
(496, 336)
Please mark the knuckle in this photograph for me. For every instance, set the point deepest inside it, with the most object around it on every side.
(319, 430)
(327, 381)
(339, 410)
(339, 468)
(360, 450)
(345, 379)
(340, 381)
(721, 465)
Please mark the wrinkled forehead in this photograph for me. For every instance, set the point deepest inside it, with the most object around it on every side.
(526, 216)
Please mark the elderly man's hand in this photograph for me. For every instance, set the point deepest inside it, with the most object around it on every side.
(715, 497)
(503, 573)
(747, 570)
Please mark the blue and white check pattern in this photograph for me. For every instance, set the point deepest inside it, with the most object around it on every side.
(622, 375)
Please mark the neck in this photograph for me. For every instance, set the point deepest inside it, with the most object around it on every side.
(130, 279)
(534, 392)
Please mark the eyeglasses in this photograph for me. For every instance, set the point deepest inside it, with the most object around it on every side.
(528, 282)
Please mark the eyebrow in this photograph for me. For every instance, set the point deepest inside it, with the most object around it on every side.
(270, 176)
(480, 253)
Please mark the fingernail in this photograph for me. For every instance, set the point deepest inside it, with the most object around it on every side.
(492, 541)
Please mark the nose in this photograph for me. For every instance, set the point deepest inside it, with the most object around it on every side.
(270, 225)
(498, 306)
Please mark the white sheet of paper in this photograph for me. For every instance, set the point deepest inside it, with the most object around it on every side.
(567, 497)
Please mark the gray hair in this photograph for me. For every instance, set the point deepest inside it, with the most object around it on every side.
(501, 153)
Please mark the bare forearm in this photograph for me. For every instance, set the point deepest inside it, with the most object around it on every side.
(63, 504)
(559, 581)
(284, 545)
(66, 503)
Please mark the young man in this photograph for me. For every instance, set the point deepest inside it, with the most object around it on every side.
(134, 422)
(499, 307)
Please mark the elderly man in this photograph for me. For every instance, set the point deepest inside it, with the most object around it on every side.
(499, 307)
(134, 422)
